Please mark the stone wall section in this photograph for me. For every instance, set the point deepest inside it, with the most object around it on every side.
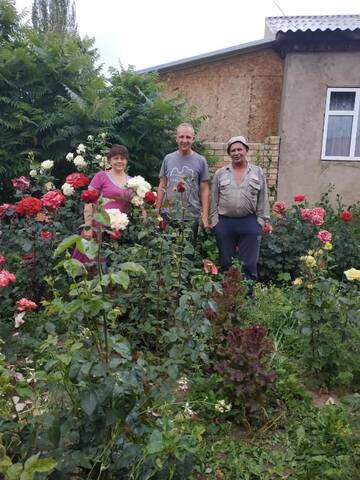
(265, 154)
(239, 95)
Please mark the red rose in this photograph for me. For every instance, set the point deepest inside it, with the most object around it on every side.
(53, 199)
(324, 236)
(21, 183)
(116, 234)
(150, 198)
(2, 259)
(24, 305)
(181, 187)
(77, 180)
(279, 207)
(89, 196)
(267, 228)
(28, 206)
(346, 216)
(46, 235)
(299, 197)
(27, 257)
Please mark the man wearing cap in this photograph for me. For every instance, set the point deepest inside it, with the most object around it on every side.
(183, 192)
(239, 209)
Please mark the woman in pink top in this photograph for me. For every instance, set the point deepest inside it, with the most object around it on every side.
(111, 186)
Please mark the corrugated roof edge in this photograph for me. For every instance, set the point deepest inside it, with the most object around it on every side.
(211, 56)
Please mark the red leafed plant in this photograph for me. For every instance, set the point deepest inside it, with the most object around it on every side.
(244, 366)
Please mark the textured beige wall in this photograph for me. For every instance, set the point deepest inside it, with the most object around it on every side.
(301, 170)
(240, 94)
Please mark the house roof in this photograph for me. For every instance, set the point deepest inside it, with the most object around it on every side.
(313, 23)
(212, 56)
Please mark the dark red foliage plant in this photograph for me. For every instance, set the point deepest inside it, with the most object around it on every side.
(244, 366)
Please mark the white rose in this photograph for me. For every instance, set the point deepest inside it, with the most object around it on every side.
(90, 138)
(98, 157)
(67, 189)
(137, 201)
(118, 220)
(33, 173)
(103, 135)
(70, 157)
(80, 149)
(104, 163)
(49, 186)
(79, 161)
(47, 165)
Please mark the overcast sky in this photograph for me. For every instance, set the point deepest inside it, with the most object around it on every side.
(145, 33)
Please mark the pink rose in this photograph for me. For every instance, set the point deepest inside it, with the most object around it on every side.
(210, 267)
(6, 206)
(6, 278)
(324, 236)
(46, 235)
(299, 197)
(53, 199)
(2, 259)
(279, 207)
(21, 183)
(317, 220)
(24, 305)
(305, 213)
(318, 211)
(267, 228)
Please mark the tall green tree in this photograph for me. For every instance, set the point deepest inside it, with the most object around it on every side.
(51, 93)
(54, 16)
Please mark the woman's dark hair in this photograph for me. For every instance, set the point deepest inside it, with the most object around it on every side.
(118, 150)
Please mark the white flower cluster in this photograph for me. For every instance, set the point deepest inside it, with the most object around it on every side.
(140, 187)
(188, 411)
(183, 384)
(103, 162)
(118, 220)
(79, 160)
(67, 189)
(33, 173)
(222, 407)
(46, 165)
(49, 186)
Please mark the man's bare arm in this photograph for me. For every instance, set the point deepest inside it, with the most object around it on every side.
(204, 197)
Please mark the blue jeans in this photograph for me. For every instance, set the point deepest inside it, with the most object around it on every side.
(239, 238)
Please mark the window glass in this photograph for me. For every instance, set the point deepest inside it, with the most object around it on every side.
(338, 135)
(357, 144)
(342, 100)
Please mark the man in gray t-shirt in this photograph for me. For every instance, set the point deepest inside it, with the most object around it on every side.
(184, 180)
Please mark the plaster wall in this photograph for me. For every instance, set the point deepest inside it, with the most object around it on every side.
(301, 170)
(239, 94)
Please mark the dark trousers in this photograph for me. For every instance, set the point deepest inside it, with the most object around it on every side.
(239, 238)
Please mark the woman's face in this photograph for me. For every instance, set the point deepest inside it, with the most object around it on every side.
(118, 163)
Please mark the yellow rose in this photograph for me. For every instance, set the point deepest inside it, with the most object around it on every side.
(328, 246)
(352, 274)
(298, 281)
(309, 261)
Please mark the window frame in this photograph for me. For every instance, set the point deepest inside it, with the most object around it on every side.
(354, 113)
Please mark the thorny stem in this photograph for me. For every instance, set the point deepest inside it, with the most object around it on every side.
(99, 267)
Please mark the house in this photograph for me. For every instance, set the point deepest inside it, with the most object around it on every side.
(295, 94)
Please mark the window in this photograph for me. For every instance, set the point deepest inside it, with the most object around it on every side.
(342, 125)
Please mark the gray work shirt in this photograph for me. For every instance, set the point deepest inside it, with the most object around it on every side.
(239, 200)
(191, 170)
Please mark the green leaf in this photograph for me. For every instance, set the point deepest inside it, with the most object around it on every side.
(74, 268)
(89, 247)
(155, 444)
(132, 267)
(102, 217)
(88, 402)
(66, 243)
(120, 278)
(44, 465)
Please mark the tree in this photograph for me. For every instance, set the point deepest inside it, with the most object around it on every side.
(54, 16)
